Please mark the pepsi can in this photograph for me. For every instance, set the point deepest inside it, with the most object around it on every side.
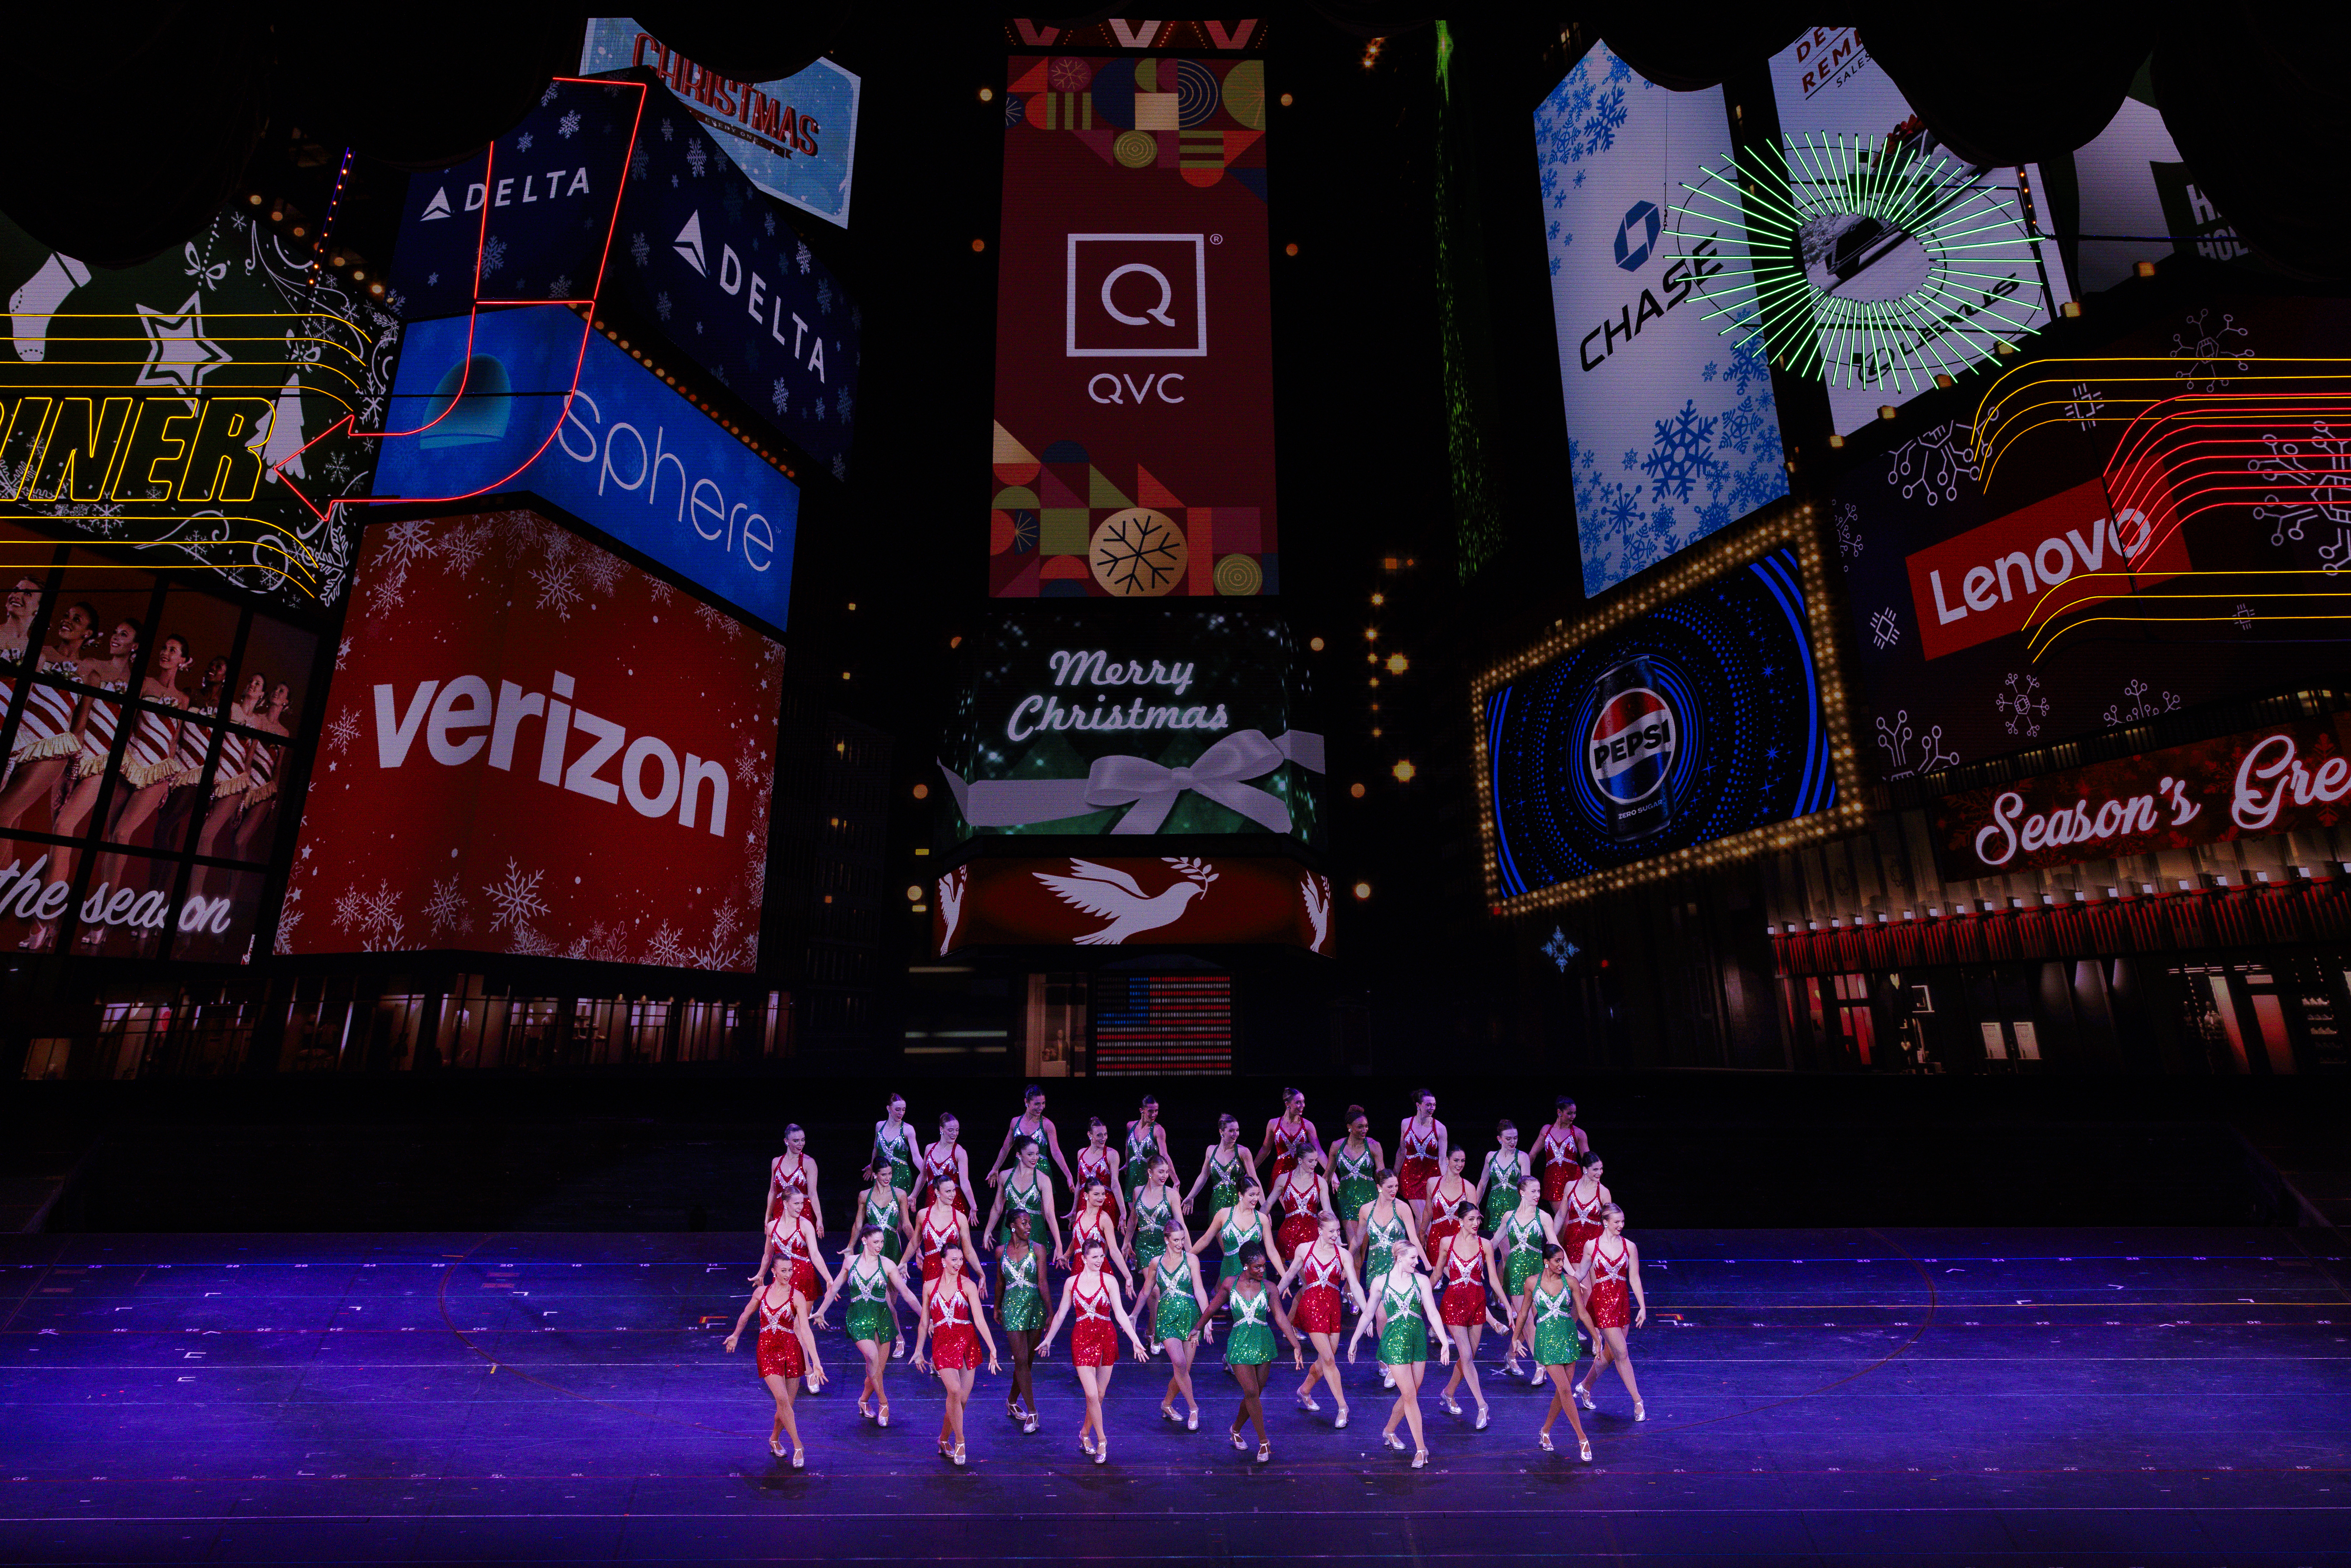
(1630, 750)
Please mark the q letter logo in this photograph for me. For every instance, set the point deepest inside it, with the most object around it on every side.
(1137, 296)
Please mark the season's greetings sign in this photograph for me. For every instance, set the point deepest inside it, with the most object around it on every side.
(1133, 441)
(1177, 900)
(1147, 721)
(2290, 777)
(532, 747)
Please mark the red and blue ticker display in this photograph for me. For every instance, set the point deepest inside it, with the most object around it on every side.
(1697, 720)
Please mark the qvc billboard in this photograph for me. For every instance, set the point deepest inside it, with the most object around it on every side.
(1671, 427)
(1133, 444)
(533, 748)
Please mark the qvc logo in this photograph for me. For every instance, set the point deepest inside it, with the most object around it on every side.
(2029, 565)
(1137, 296)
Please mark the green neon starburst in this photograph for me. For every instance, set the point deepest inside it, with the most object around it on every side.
(1860, 262)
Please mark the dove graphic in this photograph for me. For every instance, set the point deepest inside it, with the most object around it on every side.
(1110, 895)
(1316, 892)
(950, 906)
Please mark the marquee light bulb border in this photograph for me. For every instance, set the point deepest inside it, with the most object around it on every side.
(1792, 525)
(1757, 203)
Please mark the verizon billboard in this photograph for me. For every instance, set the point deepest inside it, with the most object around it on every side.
(532, 747)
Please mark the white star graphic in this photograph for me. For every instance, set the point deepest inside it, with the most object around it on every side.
(178, 352)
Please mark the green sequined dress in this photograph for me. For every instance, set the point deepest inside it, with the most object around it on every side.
(1178, 1312)
(1022, 1306)
(1249, 1341)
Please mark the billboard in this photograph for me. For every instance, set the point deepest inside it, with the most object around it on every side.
(1171, 901)
(1672, 431)
(553, 406)
(2289, 777)
(195, 407)
(2139, 200)
(1133, 452)
(695, 252)
(1157, 722)
(533, 748)
(1897, 306)
(2025, 577)
(796, 138)
(1651, 741)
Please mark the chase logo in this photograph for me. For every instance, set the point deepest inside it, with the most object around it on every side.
(1636, 236)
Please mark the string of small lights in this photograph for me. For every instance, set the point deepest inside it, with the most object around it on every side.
(1793, 527)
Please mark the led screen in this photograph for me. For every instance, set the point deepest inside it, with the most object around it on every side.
(697, 253)
(1983, 268)
(626, 454)
(1141, 722)
(533, 748)
(1133, 442)
(1672, 431)
(196, 406)
(2288, 778)
(1695, 721)
(2139, 200)
(1171, 901)
(796, 137)
(2024, 577)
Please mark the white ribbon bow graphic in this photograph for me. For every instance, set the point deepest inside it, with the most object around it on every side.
(1152, 789)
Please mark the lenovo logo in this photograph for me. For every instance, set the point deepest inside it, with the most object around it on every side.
(2032, 564)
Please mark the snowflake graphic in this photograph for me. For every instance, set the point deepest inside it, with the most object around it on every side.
(641, 162)
(640, 250)
(522, 142)
(558, 588)
(1560, 950)
(801, 255)
(1894, 738)
(1886, 628)
(1137, 555)
(819, 411)
(448, 909)
(2024, 710)
(568, 125)
(342, 652)
(657, 591)
(494, 256)
(2135, 705)
(527, 942)
(840, 404)
(697, 157)
(602, 571)
(374, 917)
(824, 295)
(1682, 457)
(840, 465)
(462, 549)
(343, 729)
(515, 896)
(2314, 475)
(667, 946)
(548, 95)
(668, 130)
(1581, 118)
(661, 305)
(404, 544)
(2210, 356)
(780, 394)
(288, 919)
(561, 288)
(718, 620)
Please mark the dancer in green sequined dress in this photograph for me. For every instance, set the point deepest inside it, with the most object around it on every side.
(1146, 1141)
(1026, 1190)
(1498, 1180)
(1021, 1312)
(1152, 1209)
(1177, 1298)
(895, 1143)
(868, 1276)
(1518, 1244)
(1404, 1309)
(1223, 1169)
(1355, 1165)
(1237, 1227)
(1248, 1345)
(1544, 1321)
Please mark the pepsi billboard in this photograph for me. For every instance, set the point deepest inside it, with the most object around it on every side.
(1701, 719)
(520, 401)
(1672, 431)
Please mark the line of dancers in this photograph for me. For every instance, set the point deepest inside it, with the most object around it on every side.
(1419, 1251)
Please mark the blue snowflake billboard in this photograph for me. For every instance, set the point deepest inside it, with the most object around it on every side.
(1672, 431)
(1639, 745)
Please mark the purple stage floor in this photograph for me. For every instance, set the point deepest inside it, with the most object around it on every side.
(2066, 1398)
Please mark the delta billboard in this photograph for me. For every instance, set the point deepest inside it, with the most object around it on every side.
(533, 748)
(1132, 449)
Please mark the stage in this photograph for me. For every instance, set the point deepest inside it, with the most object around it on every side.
(2074, 1397)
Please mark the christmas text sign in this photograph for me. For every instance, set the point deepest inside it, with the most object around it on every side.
(1126, 720)
(2290, 777)
(532, 747)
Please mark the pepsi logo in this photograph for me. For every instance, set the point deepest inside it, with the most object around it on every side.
(1637, 236)
(1631, 744)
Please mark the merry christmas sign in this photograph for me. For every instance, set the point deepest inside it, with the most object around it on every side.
(532, 747)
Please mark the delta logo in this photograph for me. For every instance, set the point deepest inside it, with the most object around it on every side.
(2032, 565)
